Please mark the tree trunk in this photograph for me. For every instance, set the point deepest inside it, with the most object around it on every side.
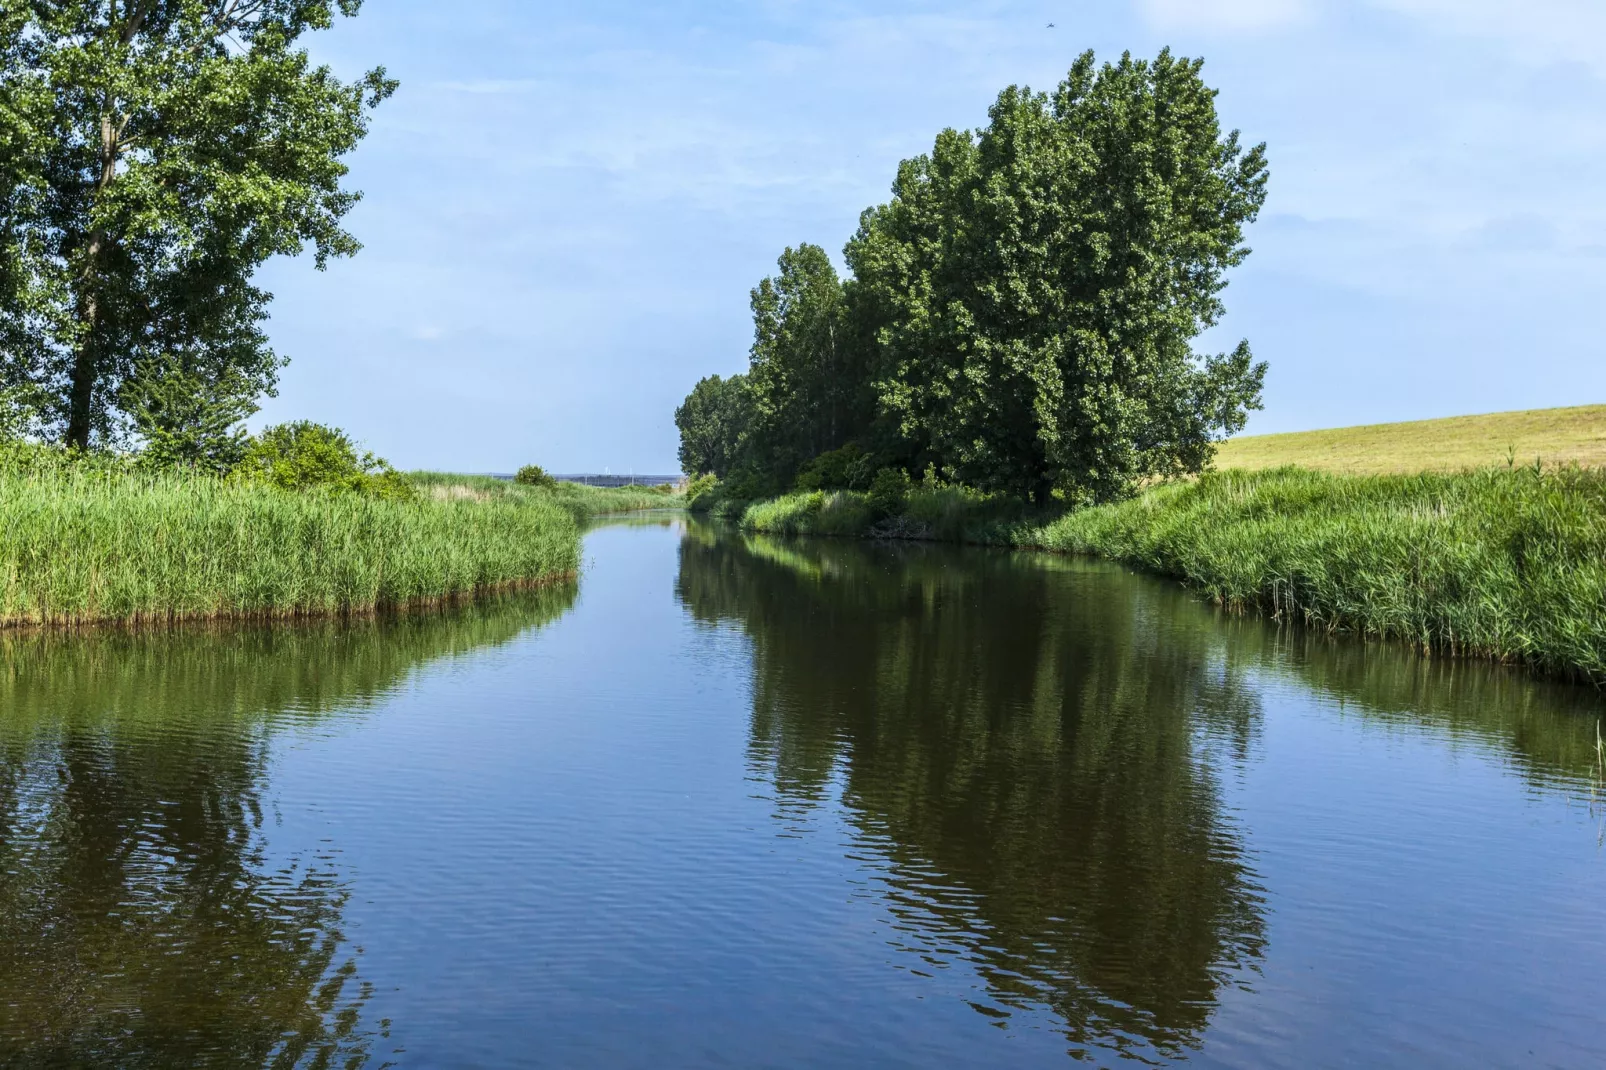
(85, 370)
(81, 401)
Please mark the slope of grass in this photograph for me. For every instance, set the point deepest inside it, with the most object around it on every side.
(79, 546)
(1557, 436)
(1507, 564)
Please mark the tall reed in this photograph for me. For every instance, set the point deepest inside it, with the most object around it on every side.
(79, 546)
(1508, 564)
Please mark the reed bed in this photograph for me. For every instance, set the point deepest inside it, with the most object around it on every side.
(79, 547)
(580, 500)
(1508, 564)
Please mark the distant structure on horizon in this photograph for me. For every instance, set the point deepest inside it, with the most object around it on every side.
(632, 480)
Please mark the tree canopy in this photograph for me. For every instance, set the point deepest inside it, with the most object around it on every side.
(1021, 314)
(153, 154)
(806, 378)
(713, 424)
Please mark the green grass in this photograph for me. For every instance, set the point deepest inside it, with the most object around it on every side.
(1508, 564)
(581, 501)
(82, 546)
(1557, 436)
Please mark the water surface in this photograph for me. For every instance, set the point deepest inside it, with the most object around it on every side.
(738, 801)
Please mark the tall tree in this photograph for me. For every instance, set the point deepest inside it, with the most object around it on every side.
(807, 377)
(713, 423)
(153, 154)
(1038, 285)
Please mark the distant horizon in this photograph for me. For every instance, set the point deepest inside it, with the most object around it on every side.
(1263, 434)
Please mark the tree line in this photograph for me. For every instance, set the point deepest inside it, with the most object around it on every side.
(1019, 317)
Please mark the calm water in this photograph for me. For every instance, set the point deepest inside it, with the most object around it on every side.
(744, 802)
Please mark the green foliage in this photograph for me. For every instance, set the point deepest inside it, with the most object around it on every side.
(152, 157)
(702, 489)
(1037, 286)
(189, 417)
(304, 456)
(79, 546)
(847, 468)
(1022, 312)
(19, 414)
(746, 483)
(807, 377)
(832, 513)
(713, 423)
(533, 475)
(888, 491)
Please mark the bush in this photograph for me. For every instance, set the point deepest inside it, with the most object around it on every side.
(533, 475)
(746, 484)
(308, 456)
(704, 488)
(848, 468)
(888, 490)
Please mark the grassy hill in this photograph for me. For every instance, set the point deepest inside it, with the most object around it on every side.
(1558, 436)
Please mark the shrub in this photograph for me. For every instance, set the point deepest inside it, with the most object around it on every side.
(888, 490)
(746, 484)
(533, 475)
(704, 488)
(848, 468)
(306, 456)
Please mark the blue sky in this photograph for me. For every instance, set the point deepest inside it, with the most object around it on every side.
(566, 204)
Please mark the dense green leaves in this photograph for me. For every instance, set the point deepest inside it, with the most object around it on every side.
(713, 423)
(153, 154)
(305, 456)
(533, 475)
(1022, 312)
(1040, 283)
(191, 417)
(806, 379)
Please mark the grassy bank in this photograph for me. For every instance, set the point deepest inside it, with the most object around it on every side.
(80, 547)
(1557, 436)
(1507, 564)
(582, 502)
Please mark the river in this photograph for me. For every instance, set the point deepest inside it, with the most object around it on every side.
(747, 802)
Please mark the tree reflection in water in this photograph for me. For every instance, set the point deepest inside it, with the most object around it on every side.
(1030, 744)
(142, 923)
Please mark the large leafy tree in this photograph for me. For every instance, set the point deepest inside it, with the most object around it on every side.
(1036, 287)
(153, 154)
(807, 375)
(713, 422)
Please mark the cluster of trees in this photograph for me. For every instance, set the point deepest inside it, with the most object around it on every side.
(153, 154)
(1020, 316)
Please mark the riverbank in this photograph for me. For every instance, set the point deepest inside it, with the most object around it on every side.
(582, 502)
(95, 545)
(1507, 564)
